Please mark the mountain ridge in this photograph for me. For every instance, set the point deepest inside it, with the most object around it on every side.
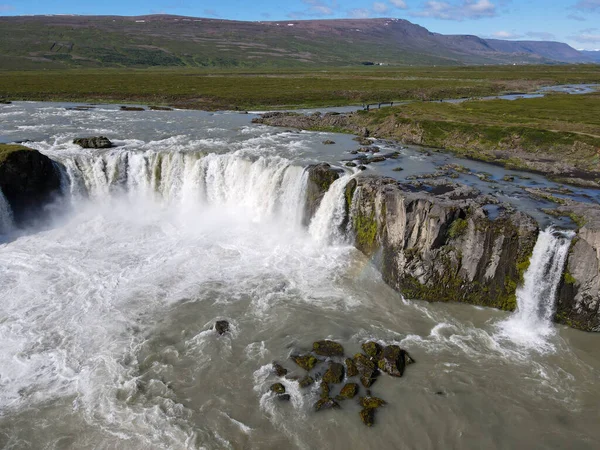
(169, 41)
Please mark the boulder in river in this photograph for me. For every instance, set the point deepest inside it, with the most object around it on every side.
(284, 397)
(372, 349)
(324, 388)
(367, 415)
(349, 391)
(366, 369)
(278, 388)
(306, 382)
(328, 142)
(280, 371)
(93, 142)
(335, 373)
(372, 402)
(307, 362)
(132, 108)
(351, 369)
(222, 327)
(328, 348)
(393, 360)
(326, 403)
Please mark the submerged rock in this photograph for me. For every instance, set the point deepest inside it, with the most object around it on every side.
(349, 391)
(278, 388)
(93, 142)
(307, 362)
(367, 415)
(159, 108)
(335, 373)
(306, 382)
(372, 402)
(132, 108)
(326, 403)
(222, 327)
(328, 348)
(350, 164)
(324, 388)
(328, 142)
(284, 397)
(280, 371)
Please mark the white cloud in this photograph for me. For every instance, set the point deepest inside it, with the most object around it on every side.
(380, 7)
(588, 5)
(506, 35)
(400, 4)
(359, 13)
(461, 10)
(586, 38)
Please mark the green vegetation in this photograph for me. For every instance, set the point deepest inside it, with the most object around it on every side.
(457, 228)
(7, 149)
(569, 279)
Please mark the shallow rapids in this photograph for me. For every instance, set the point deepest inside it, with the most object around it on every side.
(106, 316)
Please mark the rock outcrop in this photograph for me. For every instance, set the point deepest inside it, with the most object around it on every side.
(320, 178)
(578, 303)
(93, 142)
(30, 182)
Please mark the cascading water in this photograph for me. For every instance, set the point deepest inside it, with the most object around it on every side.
(531, 323)
(6, 216)
(325, 225)
(263, 187)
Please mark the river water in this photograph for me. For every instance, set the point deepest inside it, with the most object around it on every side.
(106, 315)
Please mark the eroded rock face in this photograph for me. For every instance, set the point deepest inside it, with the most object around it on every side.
(442, 246)
(578, 302)
(30, 181)
(320, 178)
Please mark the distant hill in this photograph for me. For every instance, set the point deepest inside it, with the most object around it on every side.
(163, 40)
(591, 55)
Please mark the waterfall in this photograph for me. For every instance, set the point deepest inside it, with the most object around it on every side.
(532, 321)
(327, 222)
(6, 215)
(264, 187)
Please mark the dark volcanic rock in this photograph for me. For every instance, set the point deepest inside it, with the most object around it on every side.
(366, 369)
(278, 388)
(306, 382)
(392, 361)
(30, 181)
(372, 349)
(350, 164)
(351, 369)
(284, 397)
(349, 391)
(328, 348)
(280, 371)
(132, 108)
(335, 373)
(93, 142)
(307, 362)
(367, 415)
(326, 403)
(222, 327)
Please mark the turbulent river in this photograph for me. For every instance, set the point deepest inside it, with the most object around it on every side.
(106, 315)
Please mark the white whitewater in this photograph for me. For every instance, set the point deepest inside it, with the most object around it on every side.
(6, 216)
(265, 187)
(531, 323)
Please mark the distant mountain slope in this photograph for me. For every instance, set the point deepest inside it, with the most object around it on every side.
(163, 40)
(591, 55)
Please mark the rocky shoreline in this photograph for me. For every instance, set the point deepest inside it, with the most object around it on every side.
(512, 151)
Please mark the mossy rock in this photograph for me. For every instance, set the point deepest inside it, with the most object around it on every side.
(307, 362)
(349, 391)
(392, 361)
(328, 142)
(351, 369)
(93, 142)
(328, 348)
(222, 327)
(306, 382)
(367, 415)
(326, 403)
(278, 388)
(350, 164)
(372, 349)
(372, 402)
(335, 373)
(366, 369)
(324, 388)
(279, 370)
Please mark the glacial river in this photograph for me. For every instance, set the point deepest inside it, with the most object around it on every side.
(106, 314)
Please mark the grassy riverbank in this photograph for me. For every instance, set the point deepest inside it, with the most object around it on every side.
(283, 88)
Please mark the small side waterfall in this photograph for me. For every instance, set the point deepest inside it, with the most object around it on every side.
(532, 321)
(6, 215)
(325, 225)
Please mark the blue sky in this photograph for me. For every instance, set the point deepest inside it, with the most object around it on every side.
(576, 22)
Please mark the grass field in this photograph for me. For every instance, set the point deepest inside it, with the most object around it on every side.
(222, 89)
